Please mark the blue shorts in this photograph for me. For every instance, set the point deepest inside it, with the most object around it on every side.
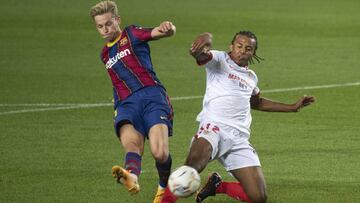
(143, 109)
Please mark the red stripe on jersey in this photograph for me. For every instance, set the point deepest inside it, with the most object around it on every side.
(122, 90)
(134, 66)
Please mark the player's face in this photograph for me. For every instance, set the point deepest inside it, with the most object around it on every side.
(108, 26)
(242, 49)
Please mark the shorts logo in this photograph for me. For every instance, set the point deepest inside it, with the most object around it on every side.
(163, 117)
(208, 128)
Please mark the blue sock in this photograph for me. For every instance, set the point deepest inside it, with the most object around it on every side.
(133, 163)
(164, 170)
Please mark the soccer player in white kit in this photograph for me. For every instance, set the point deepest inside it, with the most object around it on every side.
(224, 131)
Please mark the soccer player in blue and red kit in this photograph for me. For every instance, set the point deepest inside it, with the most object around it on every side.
(142, 107)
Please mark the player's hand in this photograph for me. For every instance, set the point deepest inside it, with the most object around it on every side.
(202, 44)
(167, 27)
(304, 101)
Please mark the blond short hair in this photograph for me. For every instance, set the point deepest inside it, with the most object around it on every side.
(104, 7)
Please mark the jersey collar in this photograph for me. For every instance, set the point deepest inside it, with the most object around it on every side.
(110, 44)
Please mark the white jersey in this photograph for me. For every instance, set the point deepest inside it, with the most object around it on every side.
(228, 91)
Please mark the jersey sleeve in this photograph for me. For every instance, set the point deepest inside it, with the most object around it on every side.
(142, 34)
(216, 58)
(256, 89)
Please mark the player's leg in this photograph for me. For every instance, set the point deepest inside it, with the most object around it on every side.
(254, 190)
(199, 154)
(203, 148)
(198, 157)
(205, 145)
(244, 164)
(159, 147)
(158, 118)
(159, 142)
(252, 182)
(133, 145)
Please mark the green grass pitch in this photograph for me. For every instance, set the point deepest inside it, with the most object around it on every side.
(53, 150)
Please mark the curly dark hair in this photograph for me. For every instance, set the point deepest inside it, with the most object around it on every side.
(251, 36)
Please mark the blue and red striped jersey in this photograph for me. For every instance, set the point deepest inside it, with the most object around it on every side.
(128, 62)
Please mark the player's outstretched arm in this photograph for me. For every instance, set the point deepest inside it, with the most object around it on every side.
(200, 48)
(263, 104)
(165, 29)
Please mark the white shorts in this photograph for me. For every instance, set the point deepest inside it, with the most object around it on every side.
(229, 146)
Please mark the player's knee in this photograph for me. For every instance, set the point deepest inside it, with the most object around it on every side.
(160, 155)
(195, 157)
(132, 142)
(133, 146)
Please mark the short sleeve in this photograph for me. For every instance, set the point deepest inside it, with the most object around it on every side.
(217, 55)
(256, 91)
(216, 58)
(142, 34)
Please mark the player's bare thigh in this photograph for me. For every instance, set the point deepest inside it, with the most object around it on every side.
(199, 154)
(159, 142)
(253, 182)
(131, 139)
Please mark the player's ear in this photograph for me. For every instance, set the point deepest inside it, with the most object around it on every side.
(118, 19)
(231, 47)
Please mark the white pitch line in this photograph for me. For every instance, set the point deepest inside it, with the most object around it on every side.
(53, 107)
(185, 98)
(77, 106)
(312, 87)
(38, 105)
